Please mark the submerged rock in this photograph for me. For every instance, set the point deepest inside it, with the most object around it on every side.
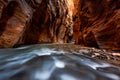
(54, 62)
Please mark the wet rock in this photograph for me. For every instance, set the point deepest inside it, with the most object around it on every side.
(97, 24)
(54, 62)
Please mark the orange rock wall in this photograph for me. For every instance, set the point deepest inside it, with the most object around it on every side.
(35, 21)
(14, 16)
(97, 24)
(94, 23)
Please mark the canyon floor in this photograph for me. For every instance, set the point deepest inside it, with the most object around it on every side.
(58, 62)
(109, 56)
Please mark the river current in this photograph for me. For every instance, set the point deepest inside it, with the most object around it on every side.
(40, 62)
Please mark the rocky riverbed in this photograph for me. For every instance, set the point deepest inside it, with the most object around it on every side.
(109, 56)
(58, 62)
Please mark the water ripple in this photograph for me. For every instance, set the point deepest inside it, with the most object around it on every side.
(43, 63)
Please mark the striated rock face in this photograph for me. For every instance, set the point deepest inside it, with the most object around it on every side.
(51, 22)
(97, 24)
(14, 14)
(94, 23)
(35, 21)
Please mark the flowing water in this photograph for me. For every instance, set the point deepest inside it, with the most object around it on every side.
(40, 62)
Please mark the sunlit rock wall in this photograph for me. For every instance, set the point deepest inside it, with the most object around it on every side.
(97, 24)
(35, 21)
(51, 22)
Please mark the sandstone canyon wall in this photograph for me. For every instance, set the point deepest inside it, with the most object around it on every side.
(94, 23)
(35, 21)
(97, 24)
(14, 15)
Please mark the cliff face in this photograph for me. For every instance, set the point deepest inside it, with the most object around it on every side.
(98, 24)
(35, 21)
(14, 14)
(51, 22)
(93, 23)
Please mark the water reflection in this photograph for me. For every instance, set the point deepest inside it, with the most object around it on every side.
(59, 64)
(43, 63)
(67, 77)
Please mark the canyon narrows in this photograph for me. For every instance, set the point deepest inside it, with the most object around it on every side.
(35, 21)
(91, 23)
(59, 39)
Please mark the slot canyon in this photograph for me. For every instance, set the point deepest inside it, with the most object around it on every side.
(60, 39)
(89, 23)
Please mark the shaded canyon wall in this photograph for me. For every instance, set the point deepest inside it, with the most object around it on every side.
(97, 24)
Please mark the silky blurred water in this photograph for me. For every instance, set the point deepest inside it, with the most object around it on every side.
(39, 62)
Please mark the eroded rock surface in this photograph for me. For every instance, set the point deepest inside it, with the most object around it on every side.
(35, 21)
(94, 23)
(51, 22)
(14, 14)
(97, 24)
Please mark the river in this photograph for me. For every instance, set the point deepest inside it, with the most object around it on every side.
(43, 62)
